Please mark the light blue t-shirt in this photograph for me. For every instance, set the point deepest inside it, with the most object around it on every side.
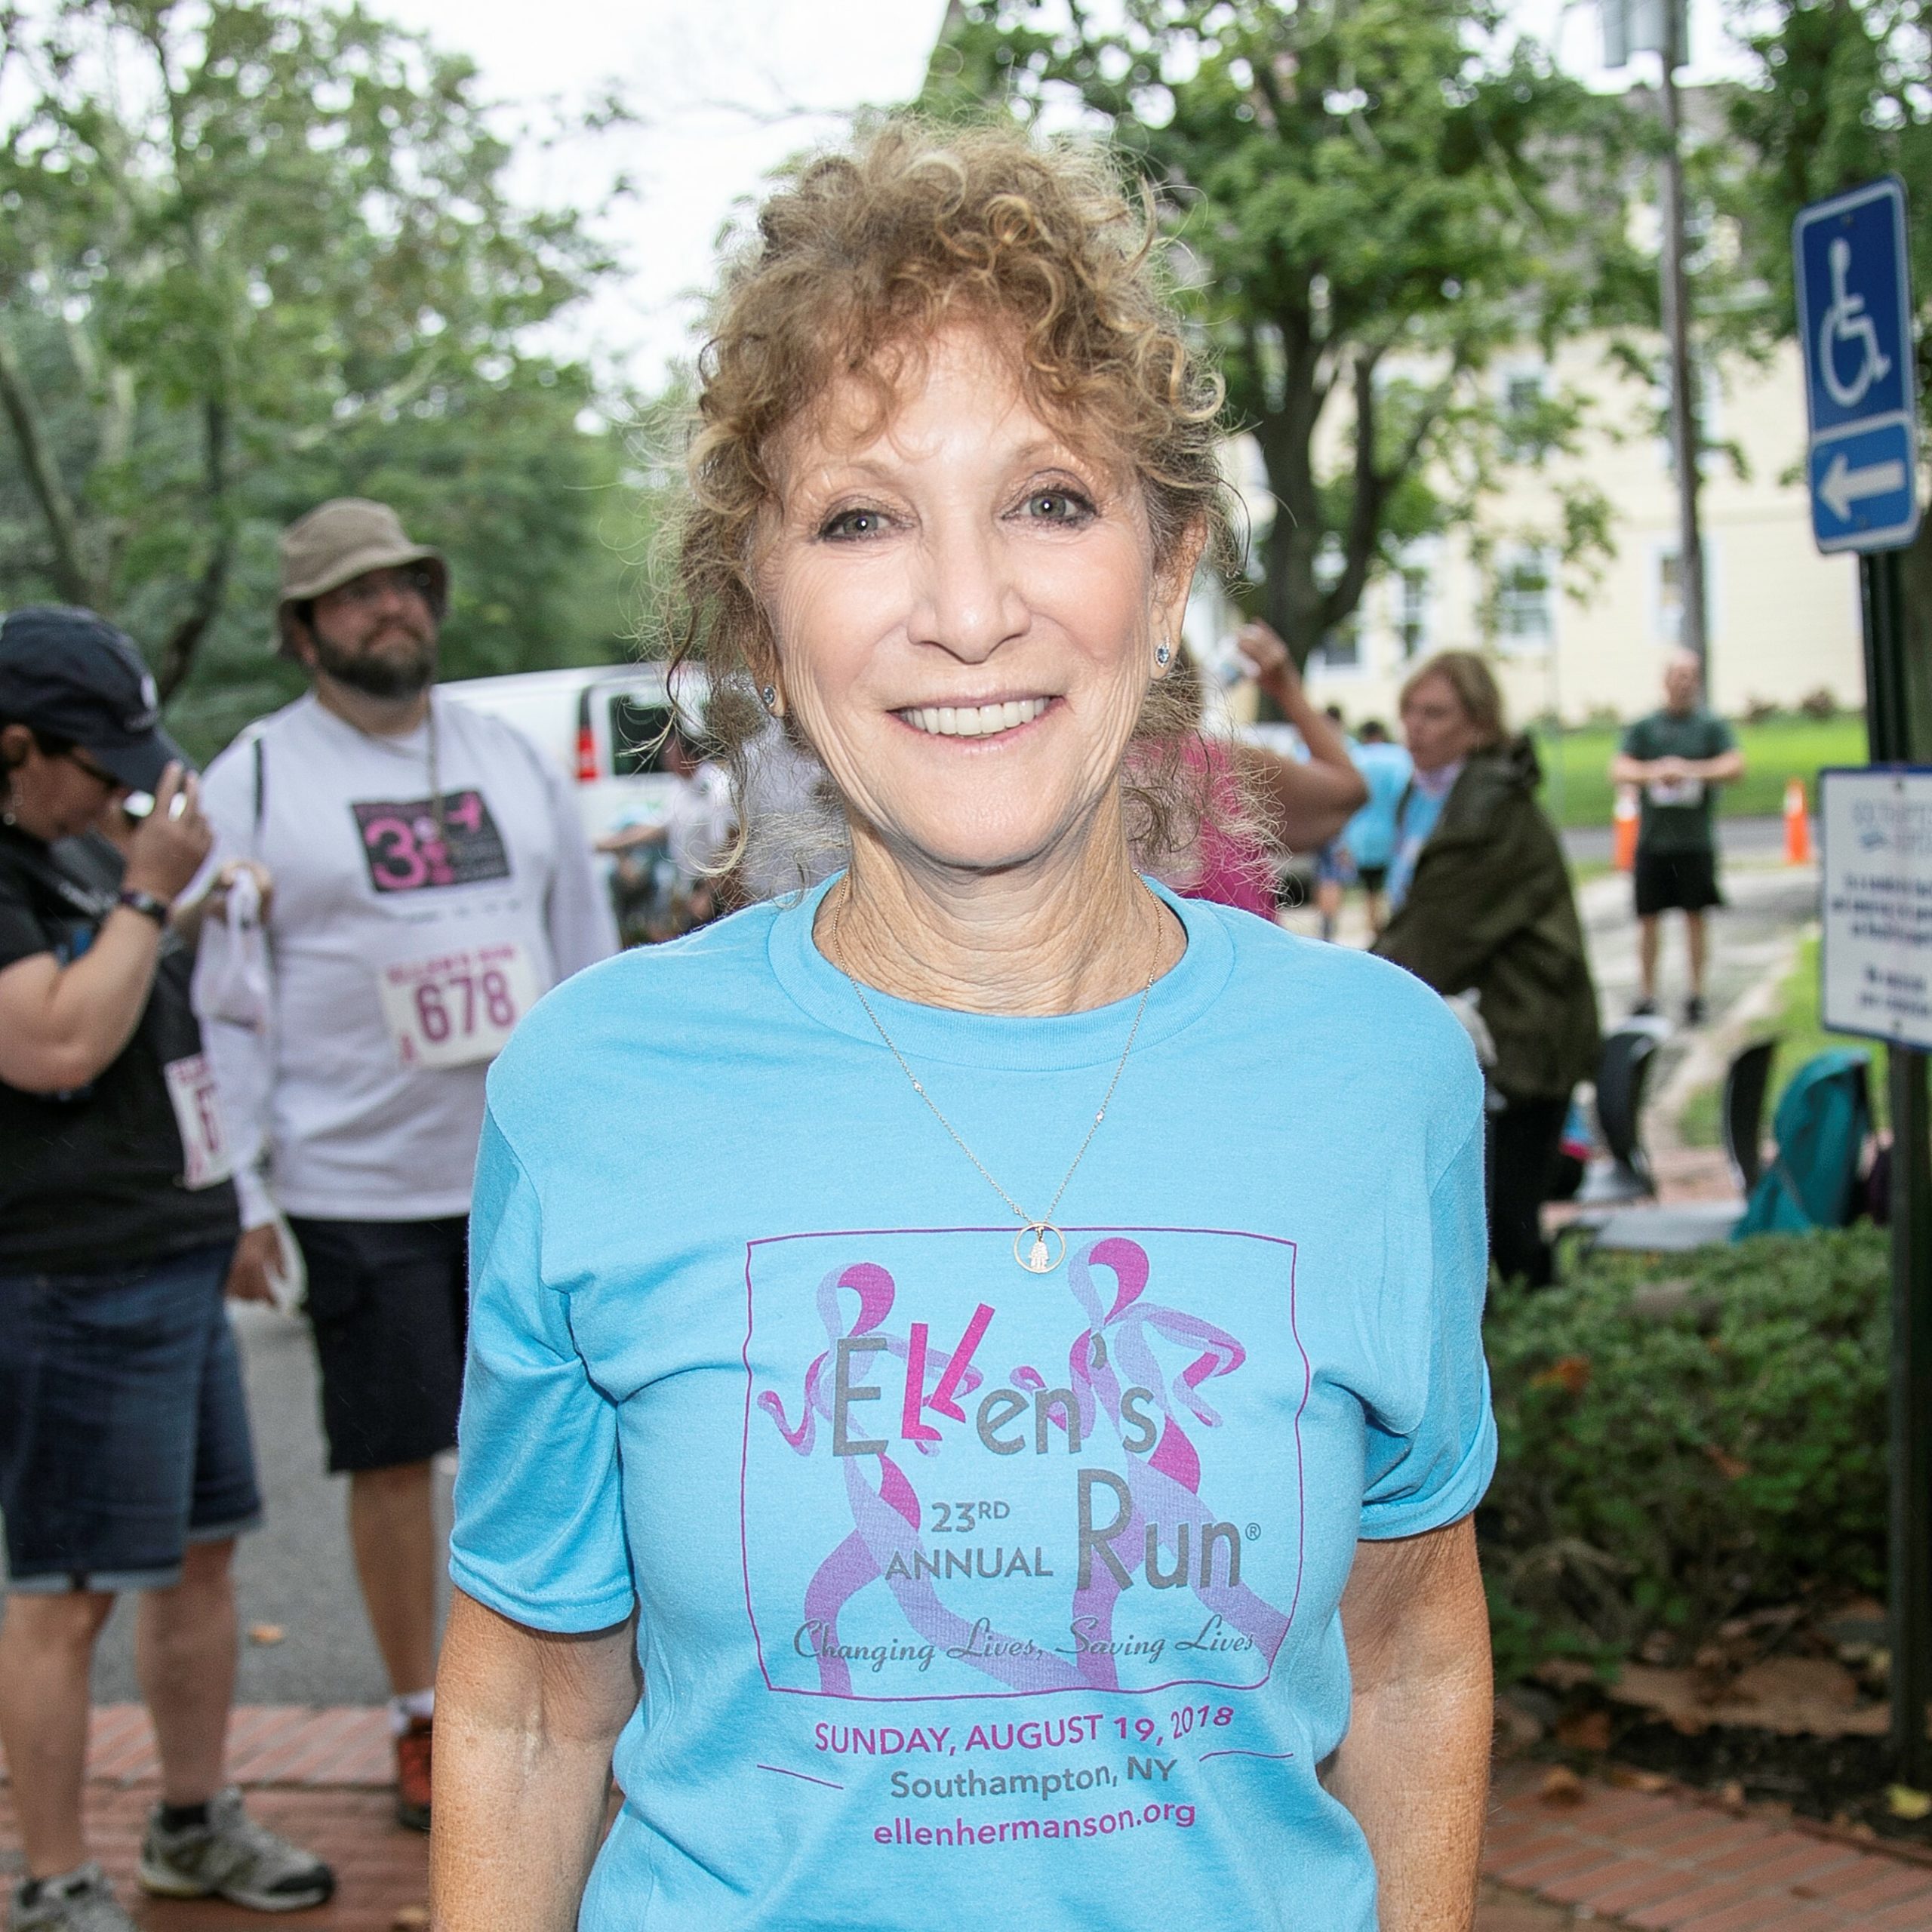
(968, 1594)
(1420, 805)
(1370, 835)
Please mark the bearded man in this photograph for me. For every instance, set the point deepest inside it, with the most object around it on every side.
(431, 881)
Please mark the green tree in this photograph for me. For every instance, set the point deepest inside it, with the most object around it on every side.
(1843, 93)
(1373, 198)
(253, 253)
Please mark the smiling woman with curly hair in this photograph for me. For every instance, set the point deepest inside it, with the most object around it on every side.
(975, 1390)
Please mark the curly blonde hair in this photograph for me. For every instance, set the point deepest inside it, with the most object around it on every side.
(855, 265)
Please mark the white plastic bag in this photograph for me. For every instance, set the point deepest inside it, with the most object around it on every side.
(288, 1281)
(1467, 1006)
(237, 989)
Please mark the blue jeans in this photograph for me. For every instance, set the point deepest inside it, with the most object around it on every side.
(124, 1434)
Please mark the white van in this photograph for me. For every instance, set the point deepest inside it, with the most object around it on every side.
(602, 724)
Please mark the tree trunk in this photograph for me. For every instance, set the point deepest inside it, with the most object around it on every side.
(177, 654)
(75, 582)
(1291, 601)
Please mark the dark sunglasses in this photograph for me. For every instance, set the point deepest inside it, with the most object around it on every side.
(106, 779)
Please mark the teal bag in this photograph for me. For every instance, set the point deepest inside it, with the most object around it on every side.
(1820, 1127)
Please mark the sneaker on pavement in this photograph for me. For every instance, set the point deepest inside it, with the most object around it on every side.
(233, 1856)
(78, 1901)
(1644, 1009)
(412, 1774)
(1694, 1011)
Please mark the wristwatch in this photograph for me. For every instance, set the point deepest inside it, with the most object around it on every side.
(145, 903)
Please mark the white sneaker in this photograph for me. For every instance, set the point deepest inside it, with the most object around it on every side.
(78, 1901)
(232, 1857)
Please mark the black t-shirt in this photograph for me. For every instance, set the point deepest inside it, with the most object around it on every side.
(97, 1178)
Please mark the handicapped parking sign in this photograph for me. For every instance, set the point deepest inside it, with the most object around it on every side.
(1854, 317)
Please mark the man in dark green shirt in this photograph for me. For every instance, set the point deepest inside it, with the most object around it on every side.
(1677, 758)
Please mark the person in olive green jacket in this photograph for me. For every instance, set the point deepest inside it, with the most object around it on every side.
(1483, 906)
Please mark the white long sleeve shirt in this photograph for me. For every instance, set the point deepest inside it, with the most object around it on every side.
(402, 950)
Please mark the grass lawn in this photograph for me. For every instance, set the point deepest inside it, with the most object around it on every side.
(1800, 1034)
(1576, 787)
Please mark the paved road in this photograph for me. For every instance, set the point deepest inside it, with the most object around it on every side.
(1765, 906)
(1752, 935)
(1737, 838)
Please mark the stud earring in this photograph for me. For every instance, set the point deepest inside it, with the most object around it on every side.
(768, 696)
(1161, 654)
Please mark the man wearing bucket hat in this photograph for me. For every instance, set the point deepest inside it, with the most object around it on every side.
(125, 1462)
(432, 881)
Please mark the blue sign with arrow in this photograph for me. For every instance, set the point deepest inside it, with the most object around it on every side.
(1854, 325)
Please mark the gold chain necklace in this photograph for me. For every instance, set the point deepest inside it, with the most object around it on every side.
(1043, 1254)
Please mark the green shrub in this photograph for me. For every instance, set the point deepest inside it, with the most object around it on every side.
(1683, 1438)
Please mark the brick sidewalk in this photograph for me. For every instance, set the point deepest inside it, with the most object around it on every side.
(1668, 1863)
(1663, 1861)
(320, 1777)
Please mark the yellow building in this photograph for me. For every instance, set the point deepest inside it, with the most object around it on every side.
(1783, 621)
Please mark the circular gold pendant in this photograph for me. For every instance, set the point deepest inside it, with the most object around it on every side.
(1039, 1247)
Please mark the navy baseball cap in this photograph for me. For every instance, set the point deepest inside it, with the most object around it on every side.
(73, 675)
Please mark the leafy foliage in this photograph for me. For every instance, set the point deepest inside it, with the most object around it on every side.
(1674, 1450)
(1374, 199)
(253, 253)
(1843, 93)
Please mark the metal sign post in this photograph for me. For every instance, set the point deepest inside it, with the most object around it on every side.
(1854, 322)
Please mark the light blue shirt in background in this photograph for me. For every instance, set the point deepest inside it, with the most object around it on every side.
(1419, 806)
(1370, 835)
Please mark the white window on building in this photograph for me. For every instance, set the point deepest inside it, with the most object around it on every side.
(1669, 597)
(1525, 599)
(1667, 592)
(1341, 649)
(1412, 611)
(1524, 386)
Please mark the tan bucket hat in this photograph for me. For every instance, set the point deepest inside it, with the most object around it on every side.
(343, 539)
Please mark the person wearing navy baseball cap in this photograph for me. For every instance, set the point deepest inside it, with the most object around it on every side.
(125, 1459)
(69, 676)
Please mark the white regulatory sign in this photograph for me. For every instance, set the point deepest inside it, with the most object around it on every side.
(1877, 889)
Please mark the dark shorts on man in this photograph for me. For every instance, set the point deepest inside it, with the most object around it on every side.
(1676, 881)
(389, 1304)
(123, 1432)
(1373, 878)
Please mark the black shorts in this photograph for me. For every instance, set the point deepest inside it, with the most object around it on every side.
(389, 1304)
(1685, 881)
(1373, 878)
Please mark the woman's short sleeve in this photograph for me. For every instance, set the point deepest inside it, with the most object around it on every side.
(1424, 1476)
(540, 1530)
(22, 935)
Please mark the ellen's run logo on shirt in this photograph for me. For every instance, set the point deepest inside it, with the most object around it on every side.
(994, 1486)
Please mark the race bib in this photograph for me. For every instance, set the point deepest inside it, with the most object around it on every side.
(456, 1008)
(1676, 790)
(204, 1156)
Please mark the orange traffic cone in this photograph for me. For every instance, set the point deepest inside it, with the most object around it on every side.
(1797, 824)
(1623, 829)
